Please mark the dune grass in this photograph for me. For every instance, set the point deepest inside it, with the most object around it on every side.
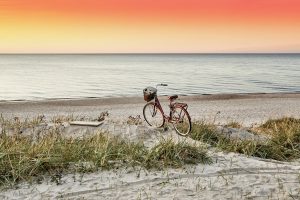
(234, 124)
(284, 144)
(24, 159)
(21, 159)
(175, 154)
(16, 123)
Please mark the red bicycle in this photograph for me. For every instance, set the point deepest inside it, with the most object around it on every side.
(154, 114)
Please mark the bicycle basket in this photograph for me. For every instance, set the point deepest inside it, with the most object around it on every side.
(149, 93)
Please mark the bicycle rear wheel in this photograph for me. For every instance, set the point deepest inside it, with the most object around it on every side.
(153, 115)
(181, 121)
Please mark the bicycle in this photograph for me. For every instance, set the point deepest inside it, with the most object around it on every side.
(154, 114)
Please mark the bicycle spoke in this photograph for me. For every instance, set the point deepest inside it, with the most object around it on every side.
(181, 121)
(153, 116)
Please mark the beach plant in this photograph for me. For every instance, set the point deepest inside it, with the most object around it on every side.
(54, 154)
(206, 132)
(175, 154)
(134, 120)
(234, 124)
(20, 159)
(284, 144)
(17, 124)
(287, 125)
(102, 116)
(64, 118)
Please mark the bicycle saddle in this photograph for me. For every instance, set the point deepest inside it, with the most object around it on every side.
(173, 97)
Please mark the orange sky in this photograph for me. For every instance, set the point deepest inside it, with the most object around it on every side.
(142, 26)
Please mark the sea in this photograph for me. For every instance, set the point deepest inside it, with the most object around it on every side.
(67, 76)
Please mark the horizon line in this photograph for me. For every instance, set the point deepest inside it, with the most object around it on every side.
(151, 53)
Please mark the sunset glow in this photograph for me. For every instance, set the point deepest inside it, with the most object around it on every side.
(147, 26)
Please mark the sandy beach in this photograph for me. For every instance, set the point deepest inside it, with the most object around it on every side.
(223, 108)
(230, 176)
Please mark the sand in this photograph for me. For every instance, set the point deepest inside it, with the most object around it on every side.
(230, 176)
(244, 108)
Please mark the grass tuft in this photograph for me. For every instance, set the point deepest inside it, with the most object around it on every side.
(17, 124)
(234, 124)
(206, 133)
(288, 126)
(284, 144)
(20, 159)
(171, 154)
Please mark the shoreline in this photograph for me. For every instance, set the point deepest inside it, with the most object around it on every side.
(139, 99)
(248, 109)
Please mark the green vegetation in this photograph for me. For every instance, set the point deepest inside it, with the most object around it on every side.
(28, 158)
(234, 124)
(168, 153)
(17, 124)
(23, 158)
(284, 144)
(288, 126)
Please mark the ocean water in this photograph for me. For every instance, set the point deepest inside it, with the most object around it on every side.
(37, 77)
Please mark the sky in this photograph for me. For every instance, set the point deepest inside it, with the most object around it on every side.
(149, 26)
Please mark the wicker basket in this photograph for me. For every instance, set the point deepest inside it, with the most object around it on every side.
(149, 93)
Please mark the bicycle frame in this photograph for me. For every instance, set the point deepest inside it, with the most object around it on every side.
(171, 105)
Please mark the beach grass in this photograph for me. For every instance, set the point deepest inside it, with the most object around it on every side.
(168, 153)
(283, 145)
(17, 123)
(234, 124)
(23, 158)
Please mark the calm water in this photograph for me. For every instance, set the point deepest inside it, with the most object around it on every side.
(28, 77)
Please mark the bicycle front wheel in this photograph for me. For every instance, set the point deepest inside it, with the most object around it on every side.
(153, 115)
(181, 121)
